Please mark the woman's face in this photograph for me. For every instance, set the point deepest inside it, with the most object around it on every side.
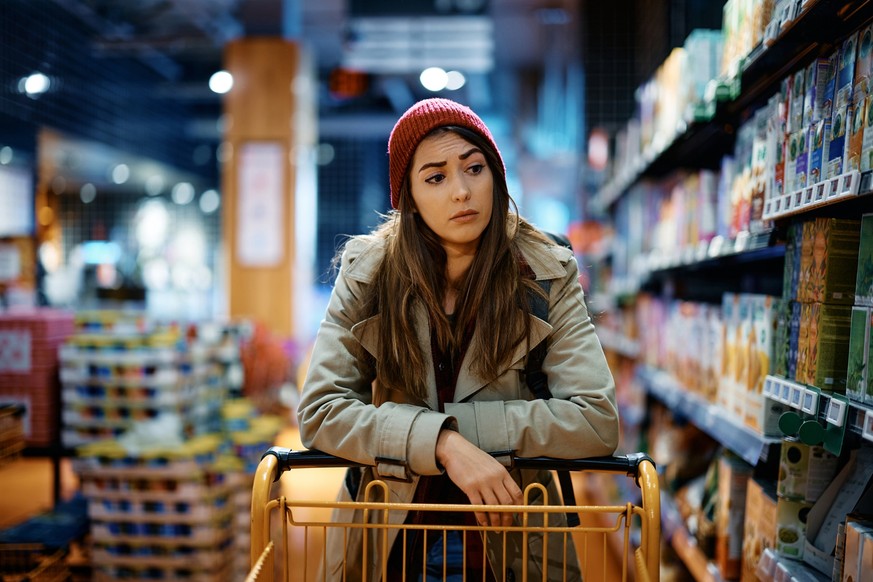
(452, 188)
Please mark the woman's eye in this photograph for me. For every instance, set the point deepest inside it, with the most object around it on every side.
(476, 169)
(435, 179)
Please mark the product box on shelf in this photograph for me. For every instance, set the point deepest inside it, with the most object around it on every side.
(855, 129)
(859, 338)
(804, 470)
(796, 96)
(856, 560)
(791, 524)
(733, 353)
(848, 490)
(795, 161)
(837, 145)
(759, 528)
(733, 479)
(845, 73)
(823, 347)
(818, 152)
(764, 311)
(864, 276)
(867, 138)
(834, 261)
(793, 338)
(817, 74)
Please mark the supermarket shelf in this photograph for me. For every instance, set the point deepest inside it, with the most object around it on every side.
(712, 256)
(673, 530)
(826, 408)
(708, 417)
(772, 565)
(702, 143)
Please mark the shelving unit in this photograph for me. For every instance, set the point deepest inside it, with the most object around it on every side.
(707, 416)
(752, 262)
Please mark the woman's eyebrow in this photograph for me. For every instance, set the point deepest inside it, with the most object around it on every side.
(462, 156)
(469, 153)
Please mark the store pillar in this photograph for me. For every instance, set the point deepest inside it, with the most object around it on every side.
(258, 181)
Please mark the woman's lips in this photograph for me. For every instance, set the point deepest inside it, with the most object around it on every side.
(464, 215)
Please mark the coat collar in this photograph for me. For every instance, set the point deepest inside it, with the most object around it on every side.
(365, 254)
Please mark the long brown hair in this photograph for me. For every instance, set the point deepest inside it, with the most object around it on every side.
(492, 294)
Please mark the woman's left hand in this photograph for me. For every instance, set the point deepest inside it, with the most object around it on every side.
(479, 475)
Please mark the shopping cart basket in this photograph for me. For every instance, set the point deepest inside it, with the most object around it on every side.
(302, 559)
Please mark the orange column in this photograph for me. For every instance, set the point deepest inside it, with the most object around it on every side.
(258, 181)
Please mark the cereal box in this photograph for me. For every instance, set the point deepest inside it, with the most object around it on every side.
(834, 263)
(823, 349)
(759, 529)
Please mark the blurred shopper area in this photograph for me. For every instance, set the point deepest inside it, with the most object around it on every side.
(177, 178)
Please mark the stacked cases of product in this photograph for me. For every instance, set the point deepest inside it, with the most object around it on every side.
(821, 264)
(29, 343)
(161, 513)
(119, 369)
(817, 129)
(859, 385)
(247, 435)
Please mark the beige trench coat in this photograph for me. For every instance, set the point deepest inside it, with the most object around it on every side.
(341, 411)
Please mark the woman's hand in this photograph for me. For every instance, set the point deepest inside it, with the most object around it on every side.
(479, 475)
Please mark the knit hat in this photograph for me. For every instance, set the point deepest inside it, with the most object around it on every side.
(418, 121)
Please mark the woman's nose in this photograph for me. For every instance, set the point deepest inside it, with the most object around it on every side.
(462, 192)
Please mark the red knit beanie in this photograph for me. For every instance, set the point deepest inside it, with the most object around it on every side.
(418, 121)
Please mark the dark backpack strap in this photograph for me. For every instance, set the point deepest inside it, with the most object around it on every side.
(538, 383)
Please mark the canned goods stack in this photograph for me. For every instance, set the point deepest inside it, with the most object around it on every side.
(163, 513)
(118, 370)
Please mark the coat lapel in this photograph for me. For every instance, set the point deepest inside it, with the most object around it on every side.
(367, 332)
(469, 383)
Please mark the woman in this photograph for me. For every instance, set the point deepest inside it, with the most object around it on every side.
(418, 367)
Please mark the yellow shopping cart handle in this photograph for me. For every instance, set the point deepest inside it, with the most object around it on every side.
(313, 459)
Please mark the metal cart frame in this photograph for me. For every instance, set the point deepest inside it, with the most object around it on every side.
(277, 460)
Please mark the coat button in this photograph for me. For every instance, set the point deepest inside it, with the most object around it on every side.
(441, 367)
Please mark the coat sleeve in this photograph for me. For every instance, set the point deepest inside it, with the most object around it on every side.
(336, 413)
(581, 418)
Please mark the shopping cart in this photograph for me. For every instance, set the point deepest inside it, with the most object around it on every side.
(637, 526)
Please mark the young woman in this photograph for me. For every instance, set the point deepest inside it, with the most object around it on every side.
(418, 367)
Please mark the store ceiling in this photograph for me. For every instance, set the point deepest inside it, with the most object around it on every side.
(183, 41)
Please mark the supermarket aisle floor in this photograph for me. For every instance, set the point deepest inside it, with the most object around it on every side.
(26, 488)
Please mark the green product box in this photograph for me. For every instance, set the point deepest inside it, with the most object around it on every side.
(864, 278)
(823, 350)
(834, 261)
(868, 397)
(856, 382)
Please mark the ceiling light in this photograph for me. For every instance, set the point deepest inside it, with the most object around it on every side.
(5, 155)
(120, 173)
(183, 193)
(434, 79)
(88, 193)
(34, 84)
(221, 82)
(209, 201)
(455, 80)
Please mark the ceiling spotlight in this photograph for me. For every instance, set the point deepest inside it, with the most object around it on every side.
(434, 79)
(182, 193)
(34, 84)
(221, 82)
(455, 80)
(120, 173)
